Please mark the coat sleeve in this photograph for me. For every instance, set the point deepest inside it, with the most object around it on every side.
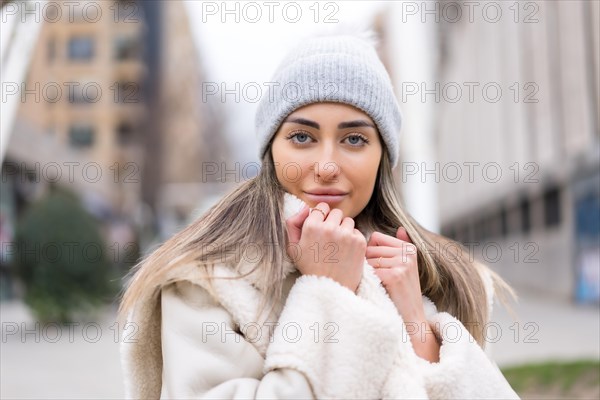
(327, 343)
(205, 355)
(464, 369)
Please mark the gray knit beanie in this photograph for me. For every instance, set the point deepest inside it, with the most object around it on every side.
(337, 68)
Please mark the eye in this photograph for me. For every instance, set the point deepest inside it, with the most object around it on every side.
(299, 137)
(357, 140)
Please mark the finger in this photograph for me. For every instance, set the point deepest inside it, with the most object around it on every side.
(381, 251)
(319, 212)
(381, 239)
(379, 262)
(383, 274)
(294, 224)
(403, 235)
(334, 218)
(347, 224)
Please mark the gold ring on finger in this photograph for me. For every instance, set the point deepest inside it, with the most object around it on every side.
(318, 209)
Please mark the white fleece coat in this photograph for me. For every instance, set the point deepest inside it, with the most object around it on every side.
(323, 341)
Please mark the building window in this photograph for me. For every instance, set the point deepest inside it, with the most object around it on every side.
(452, 232)
(126, 48)
(525, 215)
(492, 225)
(552, 207)
(81, 135)
(468, 232)
(81, 48)
(125, 133)
(84, 92)
(127, 11)
(127, 92)
(503, 222)
(480, 228)
(489, 226)
(51, 50)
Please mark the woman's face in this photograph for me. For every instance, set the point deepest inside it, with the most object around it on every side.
(328, 152)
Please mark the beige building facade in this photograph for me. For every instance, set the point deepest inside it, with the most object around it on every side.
(112, 107)
(82, 98)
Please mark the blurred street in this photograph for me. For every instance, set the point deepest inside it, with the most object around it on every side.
(562, 332)
(547, 329)
(79, 363)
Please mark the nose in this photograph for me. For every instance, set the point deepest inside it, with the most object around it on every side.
(327, 167)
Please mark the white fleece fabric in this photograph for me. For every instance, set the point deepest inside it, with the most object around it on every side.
(322, 342)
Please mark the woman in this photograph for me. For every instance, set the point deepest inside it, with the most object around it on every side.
(265, 297)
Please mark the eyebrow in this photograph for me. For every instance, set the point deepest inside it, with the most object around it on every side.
(342, 125)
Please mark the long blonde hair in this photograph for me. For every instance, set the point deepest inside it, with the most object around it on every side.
(252, 214)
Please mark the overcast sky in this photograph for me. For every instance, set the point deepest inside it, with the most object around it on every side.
(248, 52)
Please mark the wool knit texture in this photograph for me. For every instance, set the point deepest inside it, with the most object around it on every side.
(339, 68)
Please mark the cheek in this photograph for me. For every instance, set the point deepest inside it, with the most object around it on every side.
(280, 156)
(288, 167)
(365, 183)
(367, 174)
(280, 166)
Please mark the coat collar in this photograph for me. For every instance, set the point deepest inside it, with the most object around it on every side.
(291, 206)
(241, 299)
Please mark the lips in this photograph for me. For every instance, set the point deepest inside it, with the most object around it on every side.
(329, 196)
(331, 192)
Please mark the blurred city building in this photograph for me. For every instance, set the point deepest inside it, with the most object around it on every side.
(408, 51)
(191, 126)
(110, 105)
(501, 133)
(531, 136)
(82, 95)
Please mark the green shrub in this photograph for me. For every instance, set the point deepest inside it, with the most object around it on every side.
(61, 258)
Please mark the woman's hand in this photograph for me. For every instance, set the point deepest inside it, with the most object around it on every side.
(325, 243)
(395, 263)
